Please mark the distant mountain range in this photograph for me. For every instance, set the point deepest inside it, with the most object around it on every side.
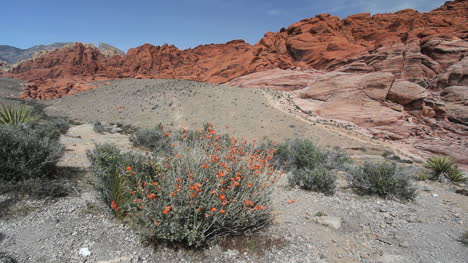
(12, 55)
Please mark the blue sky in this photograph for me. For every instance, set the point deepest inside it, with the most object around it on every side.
(184, 23)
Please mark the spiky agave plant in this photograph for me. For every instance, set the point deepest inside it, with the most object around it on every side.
(15, 115)
(443, 167)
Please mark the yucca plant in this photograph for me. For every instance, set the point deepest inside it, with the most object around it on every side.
(444, 168)
(10, 115)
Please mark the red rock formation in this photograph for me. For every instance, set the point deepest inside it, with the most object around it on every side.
(411, 45)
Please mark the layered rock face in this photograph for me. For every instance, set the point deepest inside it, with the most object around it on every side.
(413, 46)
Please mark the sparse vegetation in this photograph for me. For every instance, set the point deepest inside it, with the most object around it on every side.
(444, 168)
(51, 127)
(383, 180)
(319, 180)
(310, 167)
(203, 190)
(26, 153)
(155, 139)
(107, 164)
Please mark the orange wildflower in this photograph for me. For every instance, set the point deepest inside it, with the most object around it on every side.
(204, 166)
(248, 203)
(132, 173)
(167, 134)
(291, 201)
(222, 211)
(129, 168)
(213, 209)
(151, 196)
(167, 209)
(173, 194)
(249, 184)
(114, 206)
(259, 207)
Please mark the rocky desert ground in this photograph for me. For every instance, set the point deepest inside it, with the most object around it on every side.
(384, 88)
(314, 228)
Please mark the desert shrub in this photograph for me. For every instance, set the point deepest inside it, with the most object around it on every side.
(100, 127)
(310, 167)
(444, 168)
(303, 153)
(107, 164)
(156, 139)
(464, 238)
(14, 115)
(202, 190)
(51, 127)
(383, 180)
(298, 154)
(319, 180)
(25, 153)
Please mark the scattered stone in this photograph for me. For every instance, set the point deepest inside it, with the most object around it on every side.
(330, 221)
(84, 252)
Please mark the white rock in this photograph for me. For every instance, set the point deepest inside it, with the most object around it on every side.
(330, 221)
(85, 252)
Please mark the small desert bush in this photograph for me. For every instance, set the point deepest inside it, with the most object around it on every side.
(51, 127)
(156, 139)
(464, 238)
(383, 180)
(310, 167)
(319, 180)
(444, 168)
(25, 153)
(202, 190)
(303, 153)
(15, 115)
(107, 164)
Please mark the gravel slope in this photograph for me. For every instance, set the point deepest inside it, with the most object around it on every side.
(249, 113)
(371, 229)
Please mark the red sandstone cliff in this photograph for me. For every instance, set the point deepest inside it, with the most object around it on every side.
(407, 43)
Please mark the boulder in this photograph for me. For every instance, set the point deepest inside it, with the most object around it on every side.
(456, 103)
(404, 92)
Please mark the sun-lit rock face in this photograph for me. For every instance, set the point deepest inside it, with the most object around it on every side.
(413, 46)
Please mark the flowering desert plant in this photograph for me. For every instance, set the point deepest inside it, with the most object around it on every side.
(206, 188)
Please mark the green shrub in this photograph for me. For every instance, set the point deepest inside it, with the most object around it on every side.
(11, 115)
(319, 180)
(155, 139)
(303, 153)
(25, 153)
(382, 180)
(108, 164)
(200, 191)
(100, 127)
(310, 167)
(298, 154)
(444, 168)
(52, 127)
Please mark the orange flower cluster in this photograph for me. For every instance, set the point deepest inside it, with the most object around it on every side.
(211, 184)
(115, 206)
